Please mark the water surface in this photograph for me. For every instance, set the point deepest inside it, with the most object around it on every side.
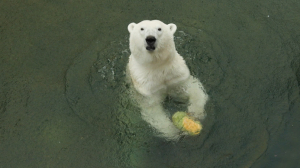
(64, 100)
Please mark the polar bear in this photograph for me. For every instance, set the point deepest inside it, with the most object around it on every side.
(157, 70)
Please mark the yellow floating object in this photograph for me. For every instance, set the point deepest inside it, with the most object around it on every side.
(185, 123)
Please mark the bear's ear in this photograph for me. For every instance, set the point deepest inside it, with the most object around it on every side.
(131, 27)
(172, 27)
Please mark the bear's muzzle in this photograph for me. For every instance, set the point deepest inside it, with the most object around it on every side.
(150, 40)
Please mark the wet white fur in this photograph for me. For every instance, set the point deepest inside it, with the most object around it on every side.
(159, 73)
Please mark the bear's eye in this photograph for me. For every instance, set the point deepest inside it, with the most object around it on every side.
(142, 29)
(159, 29)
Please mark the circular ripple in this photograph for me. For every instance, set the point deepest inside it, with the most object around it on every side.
(98, 94)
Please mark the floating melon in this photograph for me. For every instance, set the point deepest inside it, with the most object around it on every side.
(185, 123)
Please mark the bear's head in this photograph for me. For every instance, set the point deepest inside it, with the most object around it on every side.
(151, 36)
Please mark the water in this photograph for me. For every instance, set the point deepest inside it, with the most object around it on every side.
(64, 100)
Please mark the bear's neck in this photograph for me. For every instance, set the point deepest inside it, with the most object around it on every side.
(155, 58)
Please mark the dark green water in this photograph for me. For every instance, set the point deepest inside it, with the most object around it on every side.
(64, 101)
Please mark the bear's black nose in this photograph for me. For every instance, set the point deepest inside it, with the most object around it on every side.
(150, 40)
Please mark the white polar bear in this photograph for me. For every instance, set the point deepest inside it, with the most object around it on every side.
(157, 70)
